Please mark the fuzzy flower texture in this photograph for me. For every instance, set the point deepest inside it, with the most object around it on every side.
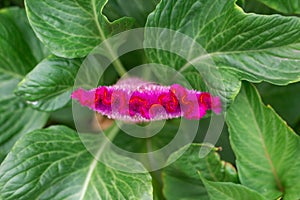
(135, 100)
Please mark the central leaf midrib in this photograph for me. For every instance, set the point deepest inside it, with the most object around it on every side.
(102, 35)
(93, 164)
(11, 73)
(213, 176)
(117, 64)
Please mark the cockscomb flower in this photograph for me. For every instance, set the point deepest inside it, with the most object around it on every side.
(139, 101)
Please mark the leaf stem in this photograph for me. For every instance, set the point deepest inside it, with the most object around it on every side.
(113, 132)
(119, 67)
(117, 63)
(110, 135)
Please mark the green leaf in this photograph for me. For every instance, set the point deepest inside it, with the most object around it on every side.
(49, 85)
(20, 19)
(54, 164)
(181, 179)
(235, 45)
(19, 53)
(267, 150)
(138, 9)
(222, 190)
(285, 100)
(72, 28)
(284, 6)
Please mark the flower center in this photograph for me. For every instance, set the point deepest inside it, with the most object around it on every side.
(169, 101)
(138, 105)
(205, 100)
(102, 97)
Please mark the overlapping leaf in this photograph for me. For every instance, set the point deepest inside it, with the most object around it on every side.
(54, 164)
(17, 57)
(48, 87)
(181, 178)
(72, 28)
(235, 44)
(267, 150)
(230, 191)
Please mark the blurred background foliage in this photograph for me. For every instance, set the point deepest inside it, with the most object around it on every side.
(8, 3)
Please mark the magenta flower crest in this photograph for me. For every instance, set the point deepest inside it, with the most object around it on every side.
(137, 101)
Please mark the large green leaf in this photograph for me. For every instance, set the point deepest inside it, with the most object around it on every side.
(19, 53)
(235, 44)
(16, 56)
(138, 9)
(267, 150)
(54, 164)
(230, 191)
(37, 49)
(181, 179)
(72, 28)
(48, 87)
(284, 6)
(285, 100)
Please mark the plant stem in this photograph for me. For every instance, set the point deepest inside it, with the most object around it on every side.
(119, 67)
(113, 132)
(117, 64)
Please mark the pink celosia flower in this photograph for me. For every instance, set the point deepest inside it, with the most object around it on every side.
(135, 100)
